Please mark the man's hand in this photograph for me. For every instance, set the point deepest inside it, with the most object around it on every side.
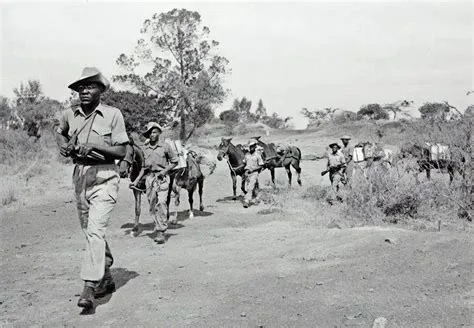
(123, 168)
(133, 184)
(64, 150)
(84, 149)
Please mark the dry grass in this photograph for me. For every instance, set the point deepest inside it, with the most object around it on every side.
(23, 159)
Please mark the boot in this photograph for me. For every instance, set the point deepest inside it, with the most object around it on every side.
(86, 300)
(106, 286)
(160, 237)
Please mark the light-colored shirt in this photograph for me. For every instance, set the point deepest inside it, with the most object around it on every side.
(107, 128)
(336, 159)
(253, 161)
(347, 152)
(158, 156)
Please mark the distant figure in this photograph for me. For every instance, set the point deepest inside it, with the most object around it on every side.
(347, 150)
(253, 165)
(336, 166)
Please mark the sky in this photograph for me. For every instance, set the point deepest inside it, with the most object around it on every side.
(290, 55)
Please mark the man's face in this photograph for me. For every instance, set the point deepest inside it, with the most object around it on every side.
(335, 149)
(89, 93)
(155, 134)
(252, 148)
(345, 141)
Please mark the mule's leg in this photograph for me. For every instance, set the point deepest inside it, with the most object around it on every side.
(234, 185)
(190, 198)
(451, 173)
(201, 186)
(242, 185)
(272, 174)
(138, 202)
(288, 171)
(296, 165)
(428, 173)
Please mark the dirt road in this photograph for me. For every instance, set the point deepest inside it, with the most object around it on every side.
(232, 267)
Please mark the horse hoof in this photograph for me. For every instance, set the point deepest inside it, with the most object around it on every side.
(191, 215)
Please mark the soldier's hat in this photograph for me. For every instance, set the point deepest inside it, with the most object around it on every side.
(251, 142)
(334, 144)
(345, 137)
(90, 75)
(150, 126)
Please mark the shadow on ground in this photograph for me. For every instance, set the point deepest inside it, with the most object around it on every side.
(121, 277)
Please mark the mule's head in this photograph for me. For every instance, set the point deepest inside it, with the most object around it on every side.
(223, 148)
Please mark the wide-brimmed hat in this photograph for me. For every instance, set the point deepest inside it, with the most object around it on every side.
(345, 137)
(90, 75)
(334, 145)
(251, 142)
(150, 126)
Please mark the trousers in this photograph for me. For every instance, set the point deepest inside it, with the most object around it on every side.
(96, 190)
(251, 183)
(157, 195)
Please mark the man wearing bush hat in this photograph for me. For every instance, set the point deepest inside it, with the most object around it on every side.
(94, 136)
(347, 150)
(335, 167)
(253, 165)
(159, 160)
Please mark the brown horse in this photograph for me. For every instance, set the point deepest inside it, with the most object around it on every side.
(235, 157)
(454, 161)
(273, 158)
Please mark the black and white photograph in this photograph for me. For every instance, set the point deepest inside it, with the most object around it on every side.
(237, 164)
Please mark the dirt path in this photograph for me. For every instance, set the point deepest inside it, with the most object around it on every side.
(231, 267)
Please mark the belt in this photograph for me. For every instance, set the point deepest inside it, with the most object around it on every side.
(89, 162)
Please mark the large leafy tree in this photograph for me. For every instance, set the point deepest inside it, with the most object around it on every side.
(261, 111)
(434, 111)
(177, 61)
(373, 112)
(28, 92)
(137, 109)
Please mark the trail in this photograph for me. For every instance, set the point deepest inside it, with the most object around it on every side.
(232, 267)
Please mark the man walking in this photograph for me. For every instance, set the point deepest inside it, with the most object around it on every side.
(253, 165)
(336, 165)
(94, 136)
(347, 150)
(159, 160)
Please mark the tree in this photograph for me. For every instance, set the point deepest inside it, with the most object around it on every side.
(5, 108)
(181, 67)
(229, 116)
(137, 109)
(373, 112)
(275, 121)
(261, 111)
(397, 107)
(434, 111)
(28, 92)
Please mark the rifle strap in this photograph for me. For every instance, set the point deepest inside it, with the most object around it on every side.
(89, 119)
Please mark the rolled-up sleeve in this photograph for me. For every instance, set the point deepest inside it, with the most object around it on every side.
(63, 126)
(119, 134)
(171, 154)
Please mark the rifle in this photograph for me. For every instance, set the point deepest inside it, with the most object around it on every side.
(72, 147)
(335, 168)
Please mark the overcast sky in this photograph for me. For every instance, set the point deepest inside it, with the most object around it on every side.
(314, 55)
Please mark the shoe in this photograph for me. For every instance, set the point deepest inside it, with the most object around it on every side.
(106, 286)
(86, 300)
(160, 238)
(246, 205)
